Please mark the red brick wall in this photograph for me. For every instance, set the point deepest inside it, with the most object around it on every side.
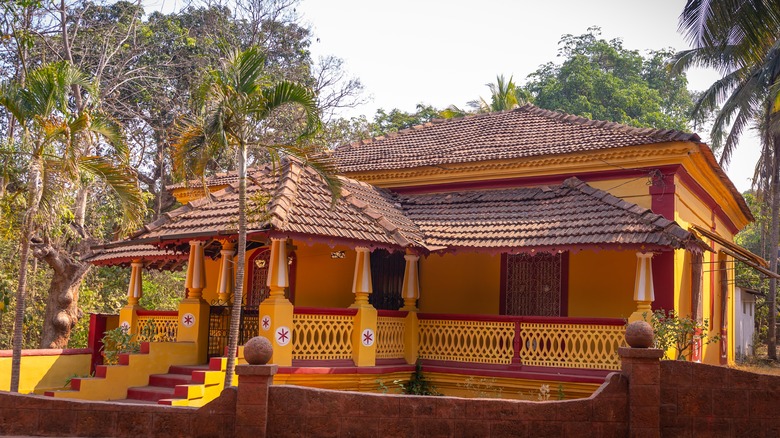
(47, 416)
(707, 400)
(295, 412)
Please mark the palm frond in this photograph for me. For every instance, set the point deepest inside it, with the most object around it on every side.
(124, 183)
(286, 93)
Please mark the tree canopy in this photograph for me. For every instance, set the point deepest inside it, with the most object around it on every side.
(603, 80)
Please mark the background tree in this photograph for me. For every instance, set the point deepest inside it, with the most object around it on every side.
(602, 80)
(237, 102)
(740, 39)
(50, 141)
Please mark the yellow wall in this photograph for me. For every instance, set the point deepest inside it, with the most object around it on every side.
(322, 281)
(634, 190)
(45, 372)
(463, 283)
(601, 284)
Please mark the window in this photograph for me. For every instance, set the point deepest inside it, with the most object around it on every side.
(387, 278)
(534, 285)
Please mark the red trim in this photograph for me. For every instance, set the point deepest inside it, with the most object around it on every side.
(663, 280)
(527, 319)
(712, 285)
(526, 181)
(556, 374)
(144, 312)
(97, 329)
(502, 282)
(687, 180)
(323, 311)
(48, 352)
(662, 194)
(392, 313)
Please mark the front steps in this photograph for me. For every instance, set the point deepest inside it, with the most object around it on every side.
(111, 382)
(183, 385)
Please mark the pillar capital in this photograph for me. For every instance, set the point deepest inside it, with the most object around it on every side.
(135, 289)
(278, 277)
(361, 284)
(411, 283)
(644, 294)
(196, 273)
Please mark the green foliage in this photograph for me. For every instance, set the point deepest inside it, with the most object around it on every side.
(418, 384)
(396, 120)
(603, 80)
(561, 394)
(673, 331)
(116, 342)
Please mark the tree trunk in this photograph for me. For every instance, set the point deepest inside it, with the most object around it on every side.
(774, 238)
(18, 338)
(62, 311)
(235, 314)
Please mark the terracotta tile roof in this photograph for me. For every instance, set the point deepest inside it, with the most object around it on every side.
(572, 214)
(218, 179)
(152, 256)
(527, 131)
(298, 202)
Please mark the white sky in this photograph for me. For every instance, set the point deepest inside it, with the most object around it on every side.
(443, 52)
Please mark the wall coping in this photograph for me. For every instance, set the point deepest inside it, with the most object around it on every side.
(48, 352)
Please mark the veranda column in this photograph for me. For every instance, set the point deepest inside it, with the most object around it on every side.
(276, 311)
(127, 316)
(643, 288)
(193, 310)
(226, 273)
(364, 329)
(411, 293)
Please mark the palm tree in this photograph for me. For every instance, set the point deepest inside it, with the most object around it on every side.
(504, 95)
(740, 39)
(51, 139)
(238, 100)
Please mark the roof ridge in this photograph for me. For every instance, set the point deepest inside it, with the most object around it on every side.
(377, 217)
(664, 134)
(287, 189)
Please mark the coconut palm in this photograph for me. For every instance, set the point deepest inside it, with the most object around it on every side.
(504, 95)
(51, 140)
(238, 100)
(740, 39)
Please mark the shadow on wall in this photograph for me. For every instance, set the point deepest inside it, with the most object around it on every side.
(44, 370)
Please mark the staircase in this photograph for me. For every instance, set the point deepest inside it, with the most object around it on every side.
(183, 385)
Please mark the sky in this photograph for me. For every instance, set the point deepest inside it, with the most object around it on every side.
(443, 52)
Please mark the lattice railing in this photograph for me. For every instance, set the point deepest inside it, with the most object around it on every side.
(159, 327)
(322, 337)
(571, 345)
(390, 337)
(467, 341)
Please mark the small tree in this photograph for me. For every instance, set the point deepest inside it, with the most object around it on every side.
(675, 332)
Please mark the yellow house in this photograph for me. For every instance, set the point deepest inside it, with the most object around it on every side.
(506, 249)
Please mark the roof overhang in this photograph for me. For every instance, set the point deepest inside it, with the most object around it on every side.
(739, 253)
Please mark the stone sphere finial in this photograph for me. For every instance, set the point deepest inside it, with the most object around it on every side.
(639, 334)
(258, 351)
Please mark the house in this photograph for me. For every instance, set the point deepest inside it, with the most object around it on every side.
(506, 249)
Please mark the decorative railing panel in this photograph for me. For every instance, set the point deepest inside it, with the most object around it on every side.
(569, 345)
(219, 328)
(390, 337)
(467, 340)
(322, 336)
(157, 326)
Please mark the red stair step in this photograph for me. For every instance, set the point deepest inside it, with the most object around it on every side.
(169, 380)
(149, 393)
(186, 369)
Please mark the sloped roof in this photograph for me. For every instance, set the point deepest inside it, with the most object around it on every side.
(561, 217)
(298, 201)
(569, 216)
(524, 132)
(153, 257)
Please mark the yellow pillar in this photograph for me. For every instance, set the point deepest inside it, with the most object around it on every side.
(364, 328)
(127, 315)
(193, 310)
(411, 293)
(643, 288)
(276, 311)
(226, 273)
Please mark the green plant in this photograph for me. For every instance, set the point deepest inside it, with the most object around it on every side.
(561, 394)
(482, 387)
(418, 384)
(76, 376)
(116, 342)
(673, 331)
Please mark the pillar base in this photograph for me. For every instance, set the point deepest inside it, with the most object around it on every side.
(194, 325)
(364, 337)
(129, 315)
(276, 325)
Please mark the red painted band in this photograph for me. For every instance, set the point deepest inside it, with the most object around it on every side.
(48, 352)
(144, 312)
(324, 311)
